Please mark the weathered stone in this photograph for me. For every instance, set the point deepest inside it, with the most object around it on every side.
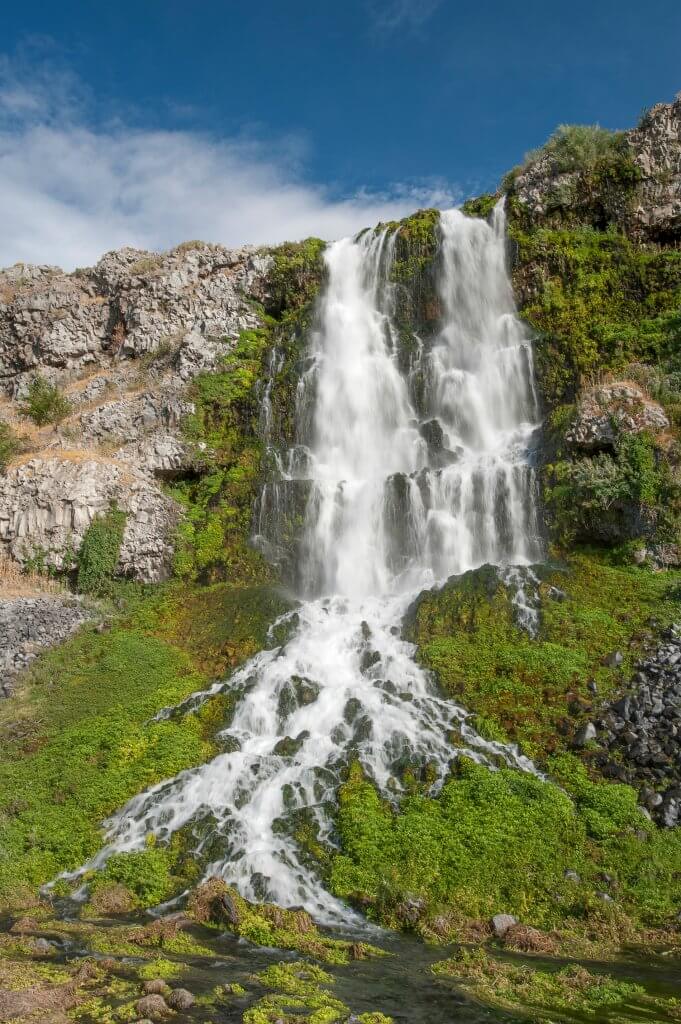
(47, 504)
(30, 624)
(180, 999)
(153, 1006)
(501, 923)
(610, 410)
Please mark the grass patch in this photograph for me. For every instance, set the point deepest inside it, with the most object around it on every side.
(78, 740)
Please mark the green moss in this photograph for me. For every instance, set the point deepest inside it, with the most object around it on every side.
(98, 556)
(79, 739)
(296, 275)
(534, 991)
(302, 992)
(160, 968)
(527, 687)
(597, 300)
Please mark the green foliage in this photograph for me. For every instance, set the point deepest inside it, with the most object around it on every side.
(629, 494)
(480, 206)
(98, 556)
(82, 741)
(503, 840)
(146, 873)
(467, 634)
(296, 275)
(44, 403)
(580, 147)
(213, 536)
(10, 445)
(597, 301)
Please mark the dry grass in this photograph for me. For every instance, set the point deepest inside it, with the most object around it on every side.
(14, 582)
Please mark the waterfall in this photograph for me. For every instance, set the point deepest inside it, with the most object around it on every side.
(413, 473)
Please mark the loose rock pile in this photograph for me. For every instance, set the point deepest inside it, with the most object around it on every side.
(641, 732)
(29, 624)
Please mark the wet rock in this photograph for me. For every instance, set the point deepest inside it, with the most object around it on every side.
(556, 594)
(409, 911)
(180, 999)
(156, 986)
(41, 947)
(501, 924)
(586, 734)
(368, 660)
(153, 1007)
(572, 876)
(613, 660)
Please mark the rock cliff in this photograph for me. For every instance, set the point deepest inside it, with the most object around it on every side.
(123, 340)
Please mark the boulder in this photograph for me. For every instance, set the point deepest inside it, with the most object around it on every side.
(609, 410)
(501, 924)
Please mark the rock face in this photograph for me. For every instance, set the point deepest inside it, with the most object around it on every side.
(47, 504)
(29, 624)
(657, 145)
(124, 340)
(655, 150)
(609, 410)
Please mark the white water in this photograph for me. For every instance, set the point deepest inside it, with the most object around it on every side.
(388, 514)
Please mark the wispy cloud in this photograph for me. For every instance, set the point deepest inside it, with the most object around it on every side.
(71, 189)
(390, 15)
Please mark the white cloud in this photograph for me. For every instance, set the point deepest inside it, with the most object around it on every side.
(70, 190)
(390, 15)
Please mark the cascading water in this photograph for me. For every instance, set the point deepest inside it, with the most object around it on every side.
(414, 474)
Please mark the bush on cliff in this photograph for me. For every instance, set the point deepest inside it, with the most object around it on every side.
(45, 403)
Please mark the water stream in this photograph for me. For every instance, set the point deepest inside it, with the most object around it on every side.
(414, 470)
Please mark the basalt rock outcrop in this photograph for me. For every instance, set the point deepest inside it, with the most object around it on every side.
(123, 340)
(641, 193)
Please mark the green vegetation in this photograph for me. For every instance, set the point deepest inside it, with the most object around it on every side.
(631, 494)
(10, 445)
(44, 403)
(213, 538)
(98, 556)
(579, 147)
(302, 992)
(215, 903)
(79, 739)
(562, 993)
(598, 302)
(535, 690)
(503, 840)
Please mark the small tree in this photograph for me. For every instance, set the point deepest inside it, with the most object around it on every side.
(10, 445)
(44, 403)
(99, 551)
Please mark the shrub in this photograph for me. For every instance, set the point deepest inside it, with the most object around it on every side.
(98, 555)
(10, 445)
(579, 147)
(145, 873)
(44, 403)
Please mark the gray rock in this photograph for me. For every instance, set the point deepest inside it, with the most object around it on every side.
(572, 876)
(501, 923)
(41, 947)
(180, 999)
(585, 735)
(609, 410)
(30, 624)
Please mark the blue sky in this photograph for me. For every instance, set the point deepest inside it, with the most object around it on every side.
(152, 121)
